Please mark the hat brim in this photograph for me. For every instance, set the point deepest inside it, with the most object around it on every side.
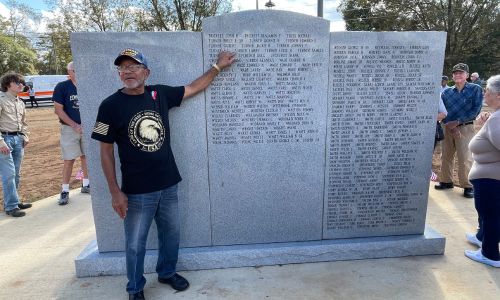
(120, 58)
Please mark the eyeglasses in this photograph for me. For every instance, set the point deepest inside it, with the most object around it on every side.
(132, 68)
(19, 83)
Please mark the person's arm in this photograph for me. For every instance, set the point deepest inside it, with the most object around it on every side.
(442, 112)
(4, 149)
(24, 129)
(119, 200)
(441, 116)
(224, 60)
(482, 118)
(476, 107)
(59, 111)
(493, 131)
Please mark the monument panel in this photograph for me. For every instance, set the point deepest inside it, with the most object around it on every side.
(266, 126)
(97, 78)
(383, 99)
(311, 147)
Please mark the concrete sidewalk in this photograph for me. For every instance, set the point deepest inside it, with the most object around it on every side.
(38, 251)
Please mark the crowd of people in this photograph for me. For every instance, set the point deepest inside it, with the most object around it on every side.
(150, 175)
(15, 136)
(149, 172)
(478, 154)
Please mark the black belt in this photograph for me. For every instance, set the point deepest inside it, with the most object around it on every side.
(11, 132)
(466, 123)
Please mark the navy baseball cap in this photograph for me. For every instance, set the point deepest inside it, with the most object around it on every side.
(444, 77)
(133, 54)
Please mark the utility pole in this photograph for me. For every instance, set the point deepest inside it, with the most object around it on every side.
(54, 69)
(320, 8)
(256, 4)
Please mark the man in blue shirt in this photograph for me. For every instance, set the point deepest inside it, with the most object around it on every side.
(67, 108)
(463, 102)
(474, 78)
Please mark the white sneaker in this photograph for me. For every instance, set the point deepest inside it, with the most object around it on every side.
(471, 238)
(479, 257)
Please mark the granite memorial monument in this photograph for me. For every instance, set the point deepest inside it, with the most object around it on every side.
(314, 146)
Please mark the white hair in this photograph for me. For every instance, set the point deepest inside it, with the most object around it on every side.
(69, 66)
(493, 84)
(475, 74)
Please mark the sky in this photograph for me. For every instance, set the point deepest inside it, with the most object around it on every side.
(302, 6)
(36, 4)
(308, 7)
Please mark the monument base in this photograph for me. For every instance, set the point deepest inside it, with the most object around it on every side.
(92, 263)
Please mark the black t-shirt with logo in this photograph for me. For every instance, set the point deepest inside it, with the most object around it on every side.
(138, 124)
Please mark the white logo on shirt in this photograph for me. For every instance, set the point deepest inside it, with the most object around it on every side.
(146, 131)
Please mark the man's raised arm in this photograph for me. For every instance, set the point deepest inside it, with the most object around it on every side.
(224, 60)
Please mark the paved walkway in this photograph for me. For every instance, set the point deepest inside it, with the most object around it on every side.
(37, 253)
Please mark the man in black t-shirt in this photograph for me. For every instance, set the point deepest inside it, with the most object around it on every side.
(136, 119)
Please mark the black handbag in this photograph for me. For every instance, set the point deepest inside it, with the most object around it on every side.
(439, 132)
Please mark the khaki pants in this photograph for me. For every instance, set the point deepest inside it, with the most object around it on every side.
(450, 145)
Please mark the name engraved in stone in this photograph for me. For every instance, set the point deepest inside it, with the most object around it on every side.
(264, 99)
(376, 98)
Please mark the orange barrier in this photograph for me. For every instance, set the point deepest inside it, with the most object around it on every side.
(44, 94)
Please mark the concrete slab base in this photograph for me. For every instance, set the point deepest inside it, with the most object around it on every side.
(92, 263)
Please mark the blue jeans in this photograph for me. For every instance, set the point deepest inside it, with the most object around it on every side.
(162, 206)
(10, 165)
(487, 202)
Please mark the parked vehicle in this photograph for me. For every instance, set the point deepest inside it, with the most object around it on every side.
(43, 85)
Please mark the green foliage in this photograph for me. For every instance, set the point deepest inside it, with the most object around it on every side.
(53, 46)
(3, 25)
(357, 15)
(471, 26)
(15, 57)
(54, 49)
(166, 15)
(95, 15)
(143, 15)
(17, 54)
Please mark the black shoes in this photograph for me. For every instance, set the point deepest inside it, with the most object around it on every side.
(22, 205)
(136, 296)
(177, 282)
(444, 186)
(16, 213)
(468, 193)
